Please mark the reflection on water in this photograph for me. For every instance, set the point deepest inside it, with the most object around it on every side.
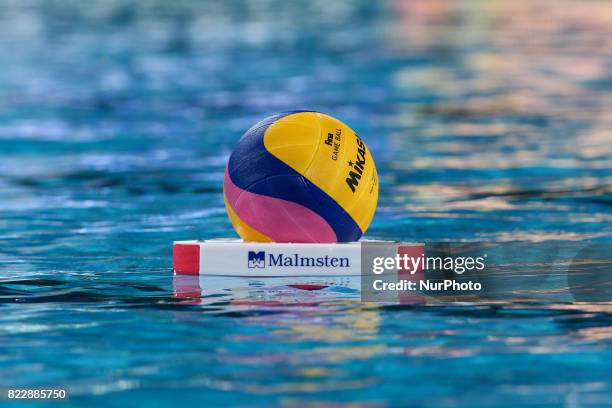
(489, 121)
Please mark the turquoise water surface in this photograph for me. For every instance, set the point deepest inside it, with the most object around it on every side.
(490, 121)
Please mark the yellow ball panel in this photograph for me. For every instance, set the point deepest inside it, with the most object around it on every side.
(294, 139)
(331, 155)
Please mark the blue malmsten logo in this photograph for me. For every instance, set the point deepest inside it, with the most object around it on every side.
(257, 259)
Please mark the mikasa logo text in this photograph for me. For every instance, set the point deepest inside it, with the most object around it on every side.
(260, 260)
(357, 167)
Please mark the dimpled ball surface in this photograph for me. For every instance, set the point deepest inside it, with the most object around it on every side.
(300, 177)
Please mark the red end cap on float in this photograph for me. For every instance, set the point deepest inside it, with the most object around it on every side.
(186, 259)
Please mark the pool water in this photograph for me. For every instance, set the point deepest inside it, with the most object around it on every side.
(489, 121)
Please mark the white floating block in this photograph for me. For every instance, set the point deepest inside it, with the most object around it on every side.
(226, 257)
